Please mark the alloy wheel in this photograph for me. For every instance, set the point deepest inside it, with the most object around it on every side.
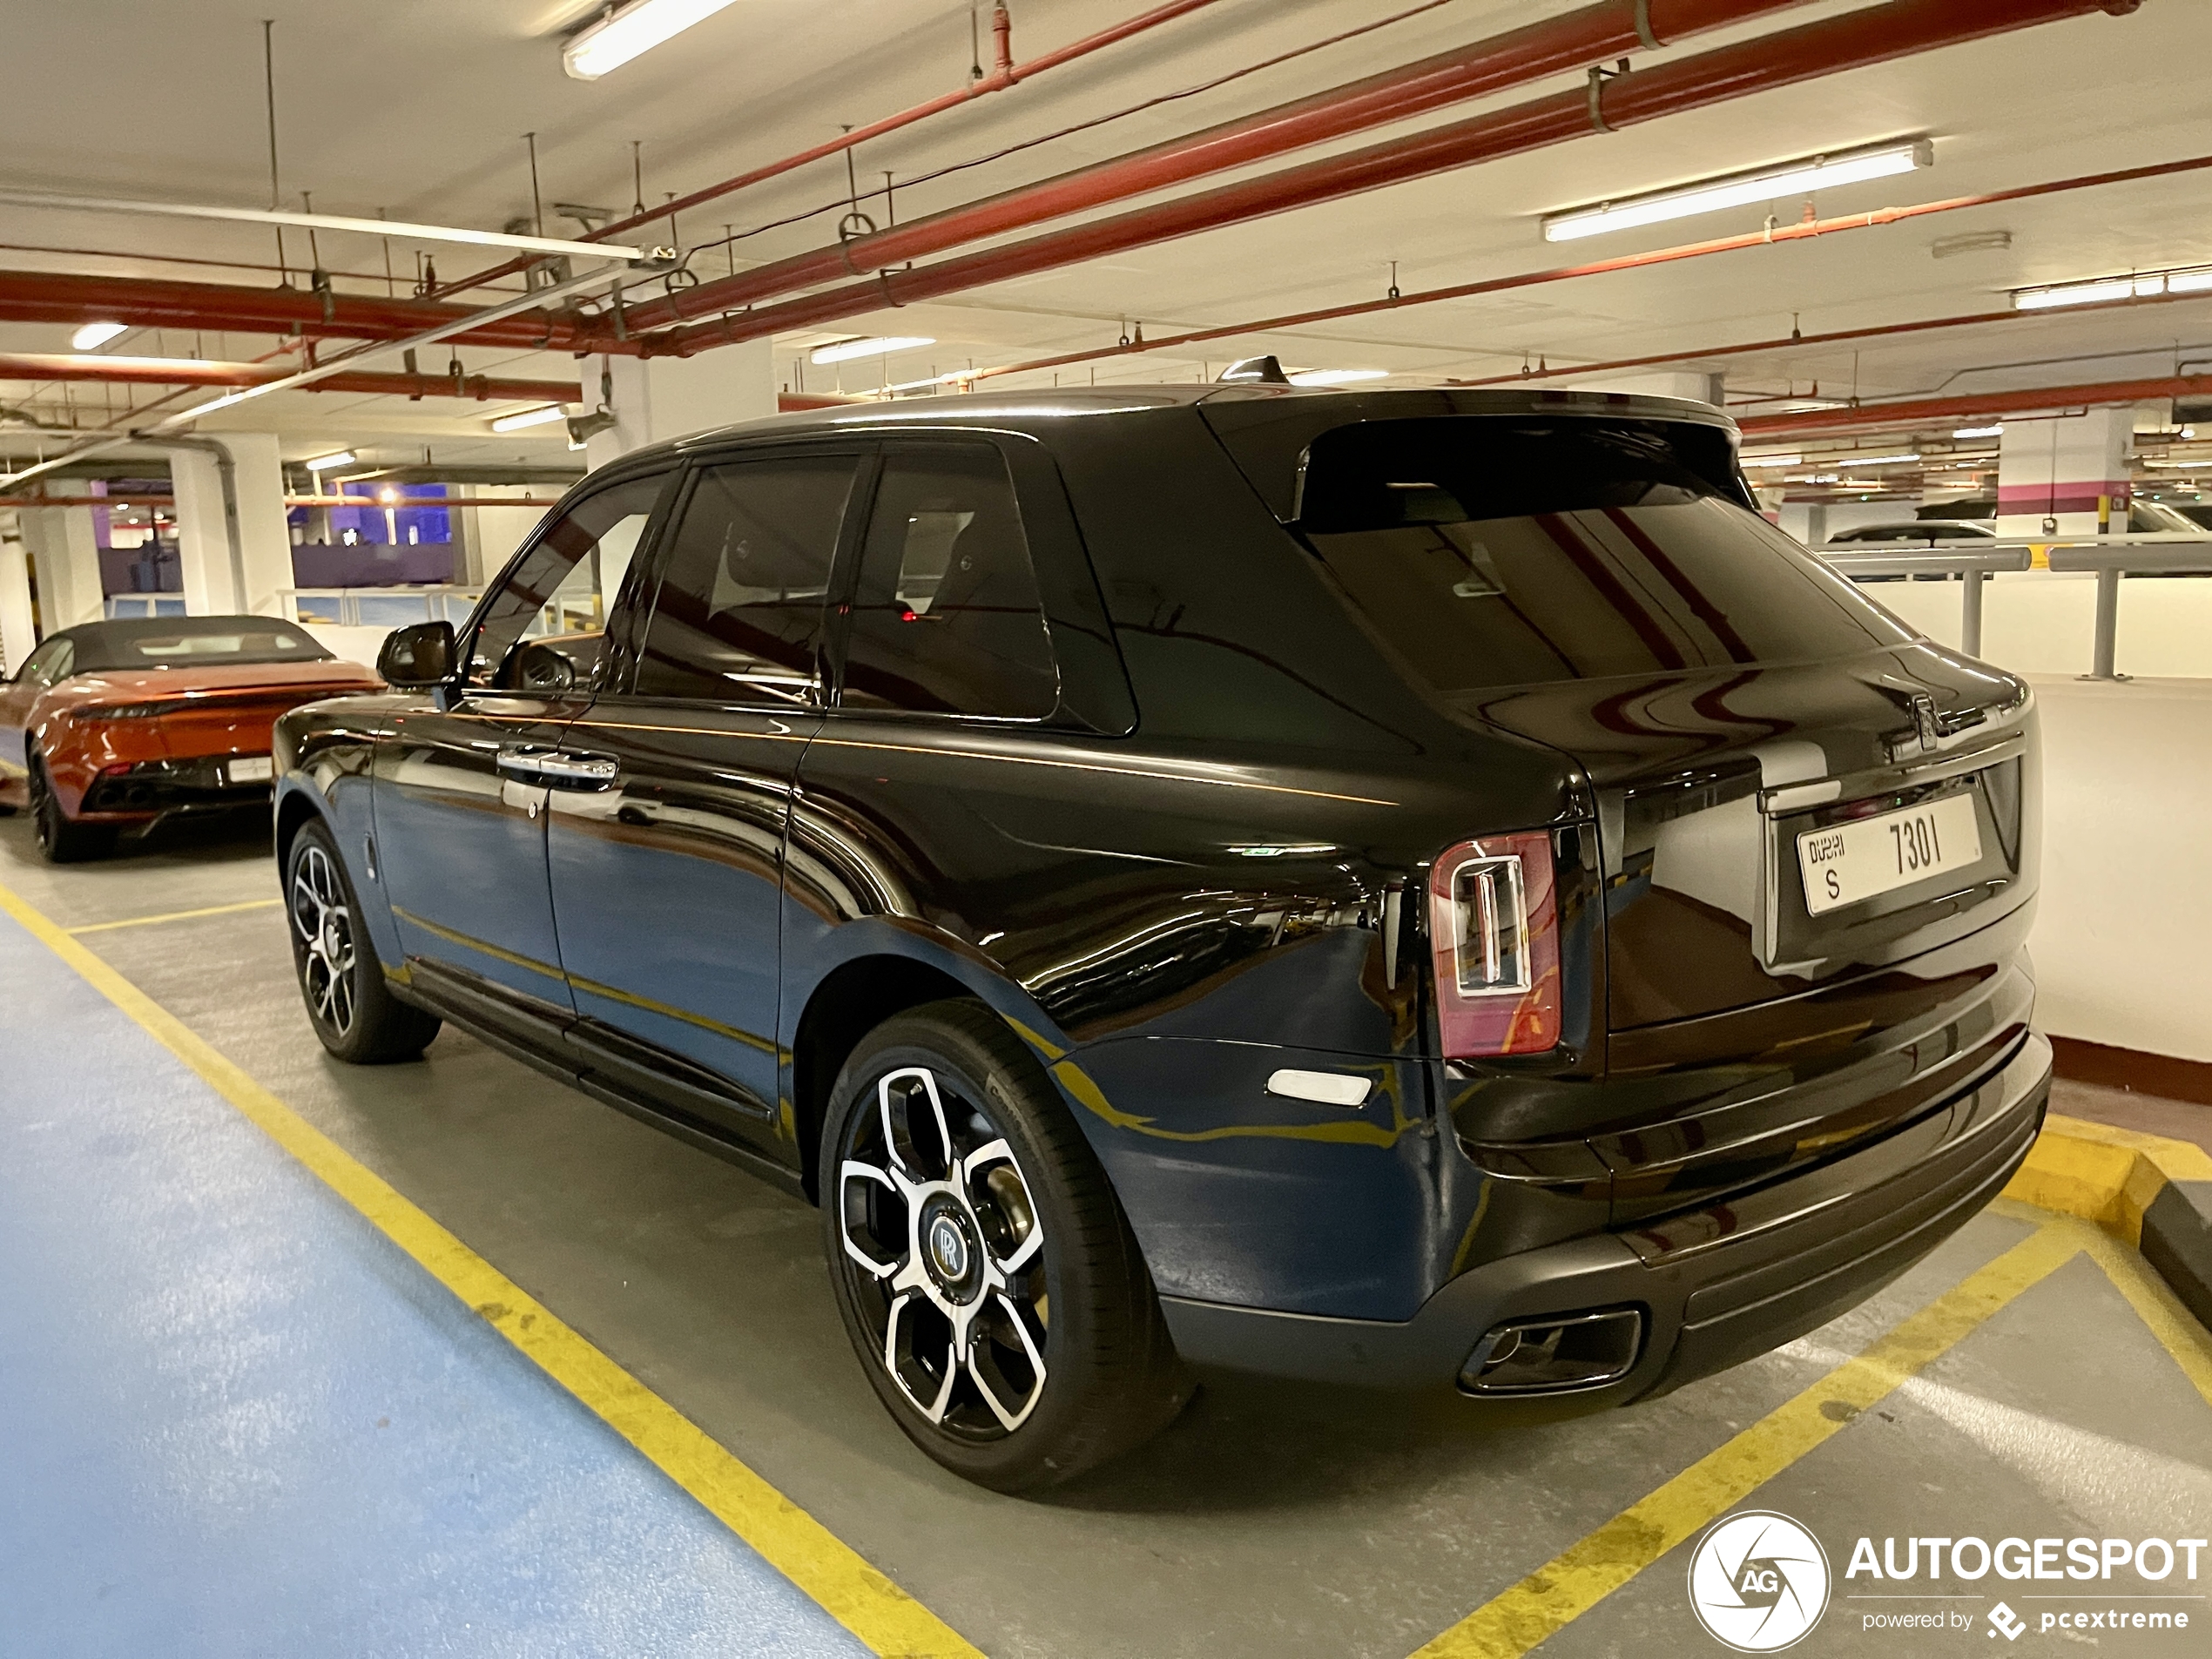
(324, 922)
(944, 1252)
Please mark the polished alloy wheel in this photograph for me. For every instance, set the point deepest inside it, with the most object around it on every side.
(944, 1252)
(324, 922)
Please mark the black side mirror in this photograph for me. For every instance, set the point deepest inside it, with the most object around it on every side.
(419, 658)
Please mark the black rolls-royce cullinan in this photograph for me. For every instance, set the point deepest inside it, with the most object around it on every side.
(1423, 888)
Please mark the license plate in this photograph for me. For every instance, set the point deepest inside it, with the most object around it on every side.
(1847, 862)
(254, 769)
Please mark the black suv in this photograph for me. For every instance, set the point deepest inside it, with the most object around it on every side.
(1417, 888)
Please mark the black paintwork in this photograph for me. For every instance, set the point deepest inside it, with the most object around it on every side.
(1187, 877)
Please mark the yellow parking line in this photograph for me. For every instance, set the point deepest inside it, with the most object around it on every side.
(882, 1615)
(174, 915)
(1571, 1583)
(2156, 1304)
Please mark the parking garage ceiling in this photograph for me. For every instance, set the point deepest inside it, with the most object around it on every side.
(436, 134)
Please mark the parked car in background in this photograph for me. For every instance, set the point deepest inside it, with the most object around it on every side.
(1914, 532)
(1424, 889)
(120, 725)
(2198, 513)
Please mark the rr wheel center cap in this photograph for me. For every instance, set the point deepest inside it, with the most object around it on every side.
(951, 1252)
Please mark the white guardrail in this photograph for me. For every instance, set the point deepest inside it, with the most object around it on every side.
(2109, 557)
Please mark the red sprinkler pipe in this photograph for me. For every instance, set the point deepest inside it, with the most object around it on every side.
(171, 371)
(1515, 59)
(1881, 417)
(1007, 73)
(1875, 35)
(151, 302)
(1799, 232)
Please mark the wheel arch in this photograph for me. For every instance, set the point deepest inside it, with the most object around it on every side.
(884, 979)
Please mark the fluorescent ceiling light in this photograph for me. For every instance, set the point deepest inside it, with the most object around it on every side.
(324, 463)
(609, 45)
(516, 421)
(97, 333)
(2188, 281)
(1869, 460)
(1774, 460)
(1337, 376)
(1979, 432)
(2107, 290)
(874, 346)
(1821, 173)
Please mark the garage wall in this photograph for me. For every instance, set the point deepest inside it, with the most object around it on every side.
(2044, 621)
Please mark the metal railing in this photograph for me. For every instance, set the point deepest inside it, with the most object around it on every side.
(380, 606)
(2109, 557)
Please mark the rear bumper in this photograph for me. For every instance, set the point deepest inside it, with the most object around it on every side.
(1716, 1287)
(154, 790)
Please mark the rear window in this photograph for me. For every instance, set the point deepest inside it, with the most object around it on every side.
(189, 644)
(1492, 553)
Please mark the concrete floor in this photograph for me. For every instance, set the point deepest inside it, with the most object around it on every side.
(1271, 1519)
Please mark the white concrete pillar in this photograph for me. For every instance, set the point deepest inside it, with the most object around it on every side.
(659, 398)
(217, 582)
(2050, 472)
(67, 558)
(18, 625)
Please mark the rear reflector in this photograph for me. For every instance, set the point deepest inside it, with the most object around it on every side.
(1570, 1351)
(1494, 924)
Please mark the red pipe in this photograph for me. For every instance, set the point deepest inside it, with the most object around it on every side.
(1876, 417)
(1477, 70)
(1857, 39)
(165, 371)
(1799, 232)
(1008, 73)
(153, 302)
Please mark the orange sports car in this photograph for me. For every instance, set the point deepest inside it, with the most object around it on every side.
(118, 725)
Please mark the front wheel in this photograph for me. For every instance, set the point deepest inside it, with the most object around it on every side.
(987, 1277)
(61, 839)
(355, 1015)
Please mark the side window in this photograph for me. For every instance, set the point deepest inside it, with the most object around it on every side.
(561, 589)
(740, 608)
(946, 616)
(52, 662)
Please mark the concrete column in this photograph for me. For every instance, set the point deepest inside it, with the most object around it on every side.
(67, 558)
(220, 579)
(18, 630)
(2050, 472)
(659, 398)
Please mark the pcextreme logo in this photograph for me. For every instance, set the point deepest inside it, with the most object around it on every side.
(1758, 1581)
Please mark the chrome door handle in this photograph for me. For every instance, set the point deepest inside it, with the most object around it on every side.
(559, 767)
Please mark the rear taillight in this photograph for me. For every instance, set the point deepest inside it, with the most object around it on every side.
(1494, 924)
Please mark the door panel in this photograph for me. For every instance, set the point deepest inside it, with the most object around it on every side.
(666, 884)
(463, 781)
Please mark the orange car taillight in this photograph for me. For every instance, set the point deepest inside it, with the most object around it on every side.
(1494, 926)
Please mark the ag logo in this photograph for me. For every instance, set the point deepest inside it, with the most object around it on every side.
(1758, 1581)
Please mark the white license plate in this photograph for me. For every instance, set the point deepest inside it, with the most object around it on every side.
(254, 769)
(1847, 862)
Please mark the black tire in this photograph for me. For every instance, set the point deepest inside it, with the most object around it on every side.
(61, 838)
(341, 979)
(1067, 1360)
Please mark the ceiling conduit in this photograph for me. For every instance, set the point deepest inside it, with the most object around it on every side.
(174, 371)
(1559, 45)
(1874, 35)
(1879, 417)
(1804, 230)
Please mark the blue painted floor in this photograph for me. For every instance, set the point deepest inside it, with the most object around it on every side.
(235, 1419)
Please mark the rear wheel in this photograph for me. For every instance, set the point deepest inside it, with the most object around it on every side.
(340, 979)
(61, 838)
(987, 1279)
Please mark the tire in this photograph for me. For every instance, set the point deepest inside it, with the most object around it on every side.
(341, 979)
(987, 1279)
(61, 838)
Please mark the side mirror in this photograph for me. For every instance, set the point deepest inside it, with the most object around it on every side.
(419, 658)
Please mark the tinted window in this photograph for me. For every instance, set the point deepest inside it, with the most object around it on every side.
(1494, 552)
(55, 660)
(946, 616)
(561, 587)
(739, 611)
